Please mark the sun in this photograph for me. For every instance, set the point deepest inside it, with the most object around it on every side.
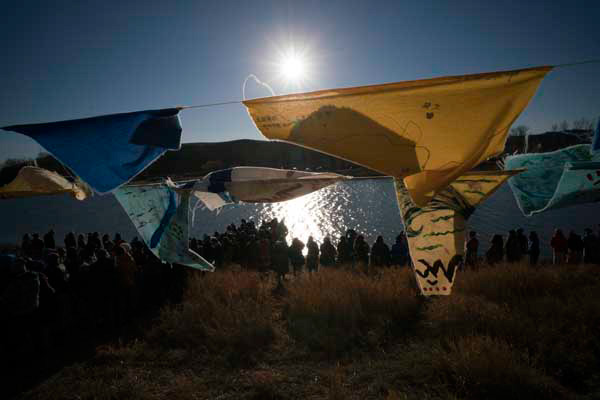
(293, 67)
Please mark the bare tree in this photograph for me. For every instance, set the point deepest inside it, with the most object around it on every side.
(554, 127)
(564, 126)
(583, 123)
(520, 130)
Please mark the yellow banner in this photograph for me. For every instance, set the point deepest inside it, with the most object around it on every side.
(436, 233)
(34, 181)
(430, 131)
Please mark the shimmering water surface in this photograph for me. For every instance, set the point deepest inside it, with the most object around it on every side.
(367, 205)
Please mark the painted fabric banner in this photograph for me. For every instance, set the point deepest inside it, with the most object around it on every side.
(109, 150)
(34, 181)
(436, 233)
(556, 179)
(161, 216)
(258, 185)
(596, 138)
(430, 131)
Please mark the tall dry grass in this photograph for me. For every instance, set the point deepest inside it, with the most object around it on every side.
(225, 314)
(550, 315)
(506, 332)
(336, 310)
(484, 367)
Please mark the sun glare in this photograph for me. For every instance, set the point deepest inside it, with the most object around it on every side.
(293, 67)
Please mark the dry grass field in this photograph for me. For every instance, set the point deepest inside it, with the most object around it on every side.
(506, 332)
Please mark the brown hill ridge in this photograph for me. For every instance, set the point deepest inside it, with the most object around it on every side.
(195, 160)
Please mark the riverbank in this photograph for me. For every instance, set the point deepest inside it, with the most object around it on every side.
(510, 331)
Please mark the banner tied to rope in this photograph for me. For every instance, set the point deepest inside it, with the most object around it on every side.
(436, 232)
(161, 216)
(258, 185)
(430, 131)
(33, 181)
(596, 138)
(555, 179)
(109, 150)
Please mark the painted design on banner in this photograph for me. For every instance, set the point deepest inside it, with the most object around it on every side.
(436, 232)
(429, 132)
(166, 233)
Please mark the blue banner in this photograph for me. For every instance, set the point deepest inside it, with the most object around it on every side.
(109, 150)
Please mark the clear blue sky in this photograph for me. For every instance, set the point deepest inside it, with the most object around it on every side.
(73, 59)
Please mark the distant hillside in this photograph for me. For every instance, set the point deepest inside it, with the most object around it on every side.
(198, 159)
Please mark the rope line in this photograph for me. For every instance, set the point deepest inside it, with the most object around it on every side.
(593, 61)
(596, 61)
(211, 104)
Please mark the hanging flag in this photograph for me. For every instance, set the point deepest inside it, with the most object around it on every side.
(596, 138)
(161, 216)
(34, 181)
(555, 179)
(430, 131)
(109, 150)
(258, 185)
(436, 232)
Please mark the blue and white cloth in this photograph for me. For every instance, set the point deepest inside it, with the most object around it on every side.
(109, 150)
(556, 179)
(160, 214)
(258, 185)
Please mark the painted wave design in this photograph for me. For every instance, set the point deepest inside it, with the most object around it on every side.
(429, 248)
(442, 218)
(443, 233)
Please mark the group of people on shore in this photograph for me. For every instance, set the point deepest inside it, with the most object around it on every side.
(265, 248)
(520, 247)
(88, 288)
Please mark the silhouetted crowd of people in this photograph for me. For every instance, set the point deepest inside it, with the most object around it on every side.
(520, 247)
(52, 296)
(264, 248)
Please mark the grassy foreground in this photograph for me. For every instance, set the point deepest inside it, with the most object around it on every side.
(506, 332)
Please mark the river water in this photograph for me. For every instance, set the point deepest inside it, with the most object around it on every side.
(367, 205)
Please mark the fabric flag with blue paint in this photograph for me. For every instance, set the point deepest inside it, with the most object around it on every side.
(555, 179)
(160, 214)
(258, 185)
(436, 232)
(109, 150)
(596, 138)
(34, 181)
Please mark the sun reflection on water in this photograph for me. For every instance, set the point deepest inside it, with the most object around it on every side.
(368, 206)
(306, 216)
